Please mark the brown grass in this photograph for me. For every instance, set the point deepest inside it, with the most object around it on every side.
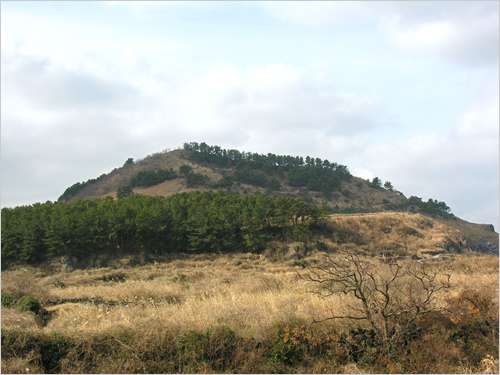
(246, 292)
(394, 232)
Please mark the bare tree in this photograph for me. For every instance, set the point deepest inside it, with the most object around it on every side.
(390, 294)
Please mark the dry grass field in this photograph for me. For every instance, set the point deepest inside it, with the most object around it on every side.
(218, 313)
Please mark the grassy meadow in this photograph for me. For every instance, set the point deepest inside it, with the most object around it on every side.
(237, 313)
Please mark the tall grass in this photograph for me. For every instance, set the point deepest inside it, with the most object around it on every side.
(142, 320)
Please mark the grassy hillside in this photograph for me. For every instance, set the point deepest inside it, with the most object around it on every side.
(355, 195)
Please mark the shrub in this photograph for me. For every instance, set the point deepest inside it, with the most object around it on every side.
(7, 300)
(185, 169)
(215, 347)
(285, 350)
(129, 161)
(53, 350)
(195, 179)
(28, 303)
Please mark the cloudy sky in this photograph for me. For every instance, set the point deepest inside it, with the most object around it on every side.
(405, 91)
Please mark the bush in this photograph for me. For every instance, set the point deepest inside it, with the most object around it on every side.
(195, 179)
(28, 303)
(215, 347)
(7, 300)
(285, 350)
(53, 350)
(185, 170)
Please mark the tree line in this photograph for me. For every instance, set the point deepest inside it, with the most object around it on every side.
(431, 207)
(268, 170)
(202, 152)
(198, 221)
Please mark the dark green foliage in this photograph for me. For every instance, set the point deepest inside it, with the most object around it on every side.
(195, 179)
(118, 277)
(284, 350)
(152, 177)
(208, 221)
(431, 207)
(316, 179)
(53, 352)
(129, 161)
(7, 300)
(251, 177)
(75, 188)
(224, 182)
(22, 232)
(388, 186)
(267, 170)
(273, 184)
(376, 183)
(124, 191)
(185, 169)
(28, 303)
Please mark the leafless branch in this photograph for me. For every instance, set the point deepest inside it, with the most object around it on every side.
(392, 293)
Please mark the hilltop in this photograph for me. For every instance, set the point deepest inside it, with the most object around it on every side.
(355, 195)
(202, 167)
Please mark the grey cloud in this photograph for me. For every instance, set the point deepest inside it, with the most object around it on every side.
(475, 37)
(48, 87)
(310, 107)
(269, 106)
(62, 127)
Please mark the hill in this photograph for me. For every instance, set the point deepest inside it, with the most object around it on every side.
(203, 167)
(223, 246)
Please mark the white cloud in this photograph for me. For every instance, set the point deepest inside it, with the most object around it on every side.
(278, 96)
(460, 167)
(423, 37)
(465, 33)
(321, 13)
(480, 123)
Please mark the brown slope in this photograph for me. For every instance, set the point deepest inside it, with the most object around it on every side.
(400, 233)
(355, 194)
(108, 184)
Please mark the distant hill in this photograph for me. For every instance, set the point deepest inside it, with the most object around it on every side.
(199, 166)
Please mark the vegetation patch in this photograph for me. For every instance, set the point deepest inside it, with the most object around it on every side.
(28, 303)
(152, 177)
(7, 300)
(201, 222)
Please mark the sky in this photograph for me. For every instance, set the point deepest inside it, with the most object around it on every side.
(400, 90)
